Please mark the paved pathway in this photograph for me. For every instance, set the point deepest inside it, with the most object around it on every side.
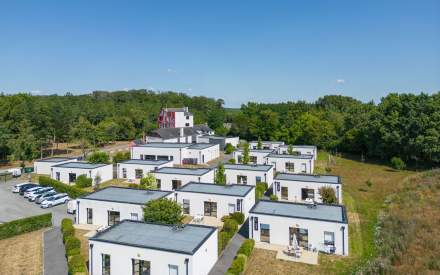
(54, 260)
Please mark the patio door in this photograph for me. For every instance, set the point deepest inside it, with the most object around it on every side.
(210, 208)
(307, 193)
(113, 217)
(284, 193)
(138, 173)
(265, 233)
(300, 234)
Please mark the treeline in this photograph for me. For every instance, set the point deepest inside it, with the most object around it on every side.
(29, 123)
(401, 125)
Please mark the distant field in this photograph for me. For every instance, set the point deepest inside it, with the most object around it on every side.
(363, 203)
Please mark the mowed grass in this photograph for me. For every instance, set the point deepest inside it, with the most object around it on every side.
(363, 203)
(22, 254)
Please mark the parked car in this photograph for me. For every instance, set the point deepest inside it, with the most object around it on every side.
(71, 207)
(26, 187)
(16, 188)
(34, 195)
(55, 200)
(31, 191)
(45, 196)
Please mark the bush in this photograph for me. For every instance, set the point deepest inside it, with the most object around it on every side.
(238, 217)
(397, 163)
(83, 181)
(273, 197)
(98, 157)
(76, 264)
(72, 191)
(328, 195)
(230, 225)
(25, 225)
(328, 169)
(260, 188)
(238, 264)
(66, 223)
(137, 186)
(121, 156)
(369, 183)
(72, 243)
(229, 148)
(247, 247)
(223, 239)
(163, 211)
(68, 232)
(74, 251)
(231, 161)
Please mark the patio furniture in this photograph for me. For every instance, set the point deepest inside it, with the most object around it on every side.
(198, 218)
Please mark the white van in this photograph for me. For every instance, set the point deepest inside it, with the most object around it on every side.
(16, 172)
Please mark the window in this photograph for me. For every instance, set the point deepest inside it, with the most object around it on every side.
(186, 124)
(140, 267)
(134, 216)
(210, 208)
(158, 183)
(231, 208)
(142, 157)
(174, 269)
(329, 238)
(303, 168)
(124, 173)
(89, 216)
(176, 184)
(138, 173)
(239, 158)
(105, 264)
(256, 223)
(186, 206)
(290, 167)
(72, 177)
(284, 193)
(278, 185)
(242, 180)
(258, 179)
(162, 157)
(307, 193)
(150, 157)
(187, 117)
(57, 176)
(253, 159)
(113, 217)
(265, 233)
(238, 205)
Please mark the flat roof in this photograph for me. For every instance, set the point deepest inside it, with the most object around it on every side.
(145, 162)
(238, 190)
(185, 239)
(126, 195)
(55, 159)
(268, 141)
(164, 145)
(183, 171)
(249, 167)
(201, 145)
(81, 165)
(290, 156)
(321, 212)
(309, 178)
(268, 151)
(301, 146)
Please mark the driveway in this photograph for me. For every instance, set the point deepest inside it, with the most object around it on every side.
(14, 206)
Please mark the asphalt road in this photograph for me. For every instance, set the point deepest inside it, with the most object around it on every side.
(14, 206)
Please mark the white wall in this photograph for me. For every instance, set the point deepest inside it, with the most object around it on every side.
(121, 255)
(203, 155)
(197, 202)
(43, 167)
(105, 172)
(166, 179)
(279, 231)
(132, 167)
(280, 164)
(302, 150)
(231, 176)
(181, 120)
(294, 189)
(260, 156)
(234, 141)
(174, 153)
(100, 208)
(265, 144)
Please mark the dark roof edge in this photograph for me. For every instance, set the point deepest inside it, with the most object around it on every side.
(180, 189)
(311, 175)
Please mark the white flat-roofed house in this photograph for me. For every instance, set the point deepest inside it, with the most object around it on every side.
(111, 205)
(70, 171)
(299, 164)
(311, 226)
(300, 150)
(43, 166)
(171, 178)
(214, 200)
(179, 153)
(255, 156)
(248, 174)
(132, 247)
(268, 145)
(222, 141)
(136, 169)
(299, 187)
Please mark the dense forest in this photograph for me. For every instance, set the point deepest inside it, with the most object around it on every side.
(400, 125)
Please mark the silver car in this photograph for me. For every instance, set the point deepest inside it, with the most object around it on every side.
(45, 196)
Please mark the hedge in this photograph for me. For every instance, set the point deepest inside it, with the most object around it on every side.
(25, 225)
(247, 247)
(83, 181)
(60, 187)
(74, 251)
(238, 217)
(76, 264)
(230, 225)
(238, 264)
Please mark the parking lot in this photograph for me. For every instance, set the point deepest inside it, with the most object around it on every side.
(14, 206)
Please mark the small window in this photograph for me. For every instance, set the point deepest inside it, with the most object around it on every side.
(138, 173)
(258, 179)
(134, 216)
(290, 166)
(186, 124)
(238, 205)
(329, 238)
(124, 173)
(253, 159)
(255, 223)
(105, 264)
(89, 216)
(141, 267)
(158, 183)
(187, 117)
(58, 176)
(186, 207)
(242, 180)
(174, 269)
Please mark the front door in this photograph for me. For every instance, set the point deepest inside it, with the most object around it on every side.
(284, 192)
(210, 208)
(265, 233)
(113, 217)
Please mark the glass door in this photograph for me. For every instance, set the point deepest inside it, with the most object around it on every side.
(301, 235)
(284, 193)
(210, 209)
(265, 233)
(113, 217)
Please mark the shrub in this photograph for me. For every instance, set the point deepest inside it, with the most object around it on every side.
(238, 217)
(273, 197)
(137, 186)
(17, 227)
(328, 169)
(223, 239)
(98, 157)
(66, 223)
(238, 264)
(260, 188)
(328, 195)
(397, 163)
(247, 247)
(230, 225)
(163, 211)
(229, 148)
(73, 251)
(76, 264)
(369, 183)
(149, 181)
(121, 156)
(68, 231)
(83, 181)
(231, 161)
(72, 191)
(72, 243)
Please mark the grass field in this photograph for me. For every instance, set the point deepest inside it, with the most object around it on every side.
(22, 254)
(365, 188)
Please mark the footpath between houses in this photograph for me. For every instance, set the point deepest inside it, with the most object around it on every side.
(55, 262)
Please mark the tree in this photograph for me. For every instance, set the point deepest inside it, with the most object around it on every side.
(245, 158)
(24, 144)
(220, 176)
(259, 144)
(163, 211)
(98, 157)
(231, 161)
(82, 132)
(121, 156)
(328, 195)
(149, 181)
(229, 148)
(290, 149)
(397, 163)
(83, 181)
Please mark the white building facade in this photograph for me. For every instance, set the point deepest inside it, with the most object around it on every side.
(145, 248)
(171, 178)
(299, 187)
(43, 166)
(112, 205)
(248, 174)
(300, 150)
(135, 169)
(255, 156)
(70, 171)
(266, 145)
(213, 200)
(299, 164)
(314, 227)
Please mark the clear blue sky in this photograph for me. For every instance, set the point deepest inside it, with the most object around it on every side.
(241, 51)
